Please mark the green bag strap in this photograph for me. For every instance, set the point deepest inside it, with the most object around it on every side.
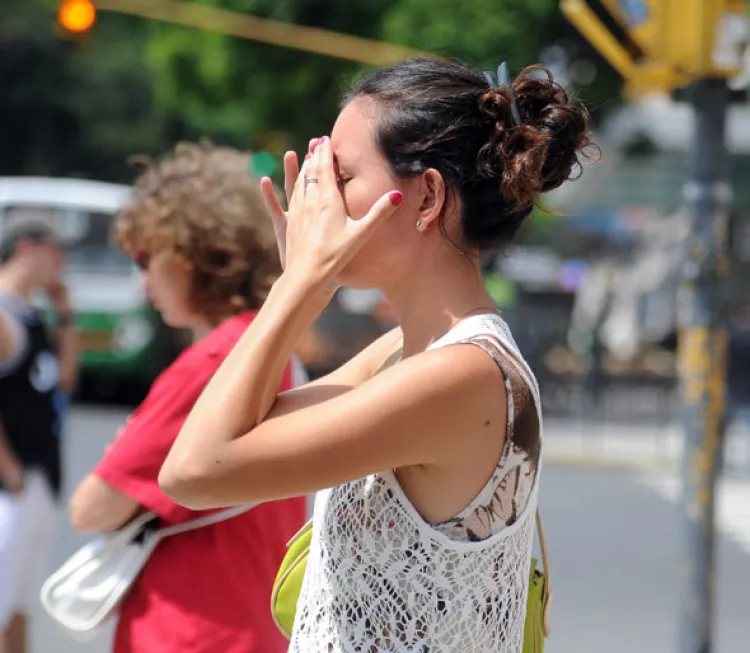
(547, 590)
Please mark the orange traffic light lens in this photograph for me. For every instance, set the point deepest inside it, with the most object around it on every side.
(77, 15)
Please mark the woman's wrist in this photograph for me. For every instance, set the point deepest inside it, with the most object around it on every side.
(305, 292)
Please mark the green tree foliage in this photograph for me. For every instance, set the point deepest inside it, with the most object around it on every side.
(131, 86)
(74, 107)
(278, 98)
(253, 94)
(482, 32)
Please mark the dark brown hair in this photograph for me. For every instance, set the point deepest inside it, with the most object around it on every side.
(444, 115)
(202, 203)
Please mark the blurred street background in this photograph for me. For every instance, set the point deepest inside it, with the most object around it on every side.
(591, 289)
(614, 540)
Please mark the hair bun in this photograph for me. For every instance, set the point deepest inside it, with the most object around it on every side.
(441, 115)
(541, 152)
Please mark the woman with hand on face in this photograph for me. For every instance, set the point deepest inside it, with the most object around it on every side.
(429, 470)
(197, 227)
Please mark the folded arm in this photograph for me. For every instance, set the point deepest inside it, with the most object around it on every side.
(97, 507)
(242, 444)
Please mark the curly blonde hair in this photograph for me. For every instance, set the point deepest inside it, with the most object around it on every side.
(202, 203)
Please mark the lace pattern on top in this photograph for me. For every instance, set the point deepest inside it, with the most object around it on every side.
(381, 579)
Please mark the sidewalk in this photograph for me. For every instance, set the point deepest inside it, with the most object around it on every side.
(732, 504)
(647, 446)
(615, 555)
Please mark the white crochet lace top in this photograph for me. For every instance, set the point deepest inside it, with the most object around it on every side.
(380, 578)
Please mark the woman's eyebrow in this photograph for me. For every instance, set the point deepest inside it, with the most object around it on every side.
(338, 166)
(345, 162)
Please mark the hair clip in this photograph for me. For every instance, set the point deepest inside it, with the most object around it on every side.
(504, 81)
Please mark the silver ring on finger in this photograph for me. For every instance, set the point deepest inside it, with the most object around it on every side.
(310, 180)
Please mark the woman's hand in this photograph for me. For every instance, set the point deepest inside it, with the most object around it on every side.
(278, 215)
(320, 237)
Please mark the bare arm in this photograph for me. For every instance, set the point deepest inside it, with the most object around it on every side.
(232, 450)
(67, 340)
(243, 389)
(97, 507)
(67, 348)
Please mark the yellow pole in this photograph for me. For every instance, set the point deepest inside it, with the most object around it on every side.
(308, 39)
(703, 345)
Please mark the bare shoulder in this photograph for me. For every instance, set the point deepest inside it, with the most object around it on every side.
(462, 369)
(434, 409)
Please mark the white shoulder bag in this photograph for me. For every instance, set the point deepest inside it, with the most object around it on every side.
(86, 591)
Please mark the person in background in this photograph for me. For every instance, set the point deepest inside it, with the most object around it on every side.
(198, 228)
(37, 370)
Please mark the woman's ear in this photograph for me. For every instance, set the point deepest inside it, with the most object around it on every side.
(433, 198)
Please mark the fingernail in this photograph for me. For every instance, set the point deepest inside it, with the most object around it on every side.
(396, 198)
(322, 140)
(308, 156)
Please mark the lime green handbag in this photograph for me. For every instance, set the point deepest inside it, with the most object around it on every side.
(288, 584)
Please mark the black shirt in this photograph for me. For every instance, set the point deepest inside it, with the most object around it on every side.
(30, 397)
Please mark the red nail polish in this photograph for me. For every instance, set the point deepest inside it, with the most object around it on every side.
(396, 198)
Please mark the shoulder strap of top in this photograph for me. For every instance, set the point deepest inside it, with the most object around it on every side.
(491, 328)
(205, 520)
(494, 346)
(491, 333)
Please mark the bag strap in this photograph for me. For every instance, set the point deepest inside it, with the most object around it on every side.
(206, 520)
(547, 589)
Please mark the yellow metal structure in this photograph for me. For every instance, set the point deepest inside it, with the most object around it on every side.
(587, 22)
(679, 40)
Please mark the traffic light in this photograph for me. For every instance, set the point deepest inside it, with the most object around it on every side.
(76, 16)
(678, 41)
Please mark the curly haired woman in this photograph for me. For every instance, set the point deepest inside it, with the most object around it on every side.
(197, 227)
